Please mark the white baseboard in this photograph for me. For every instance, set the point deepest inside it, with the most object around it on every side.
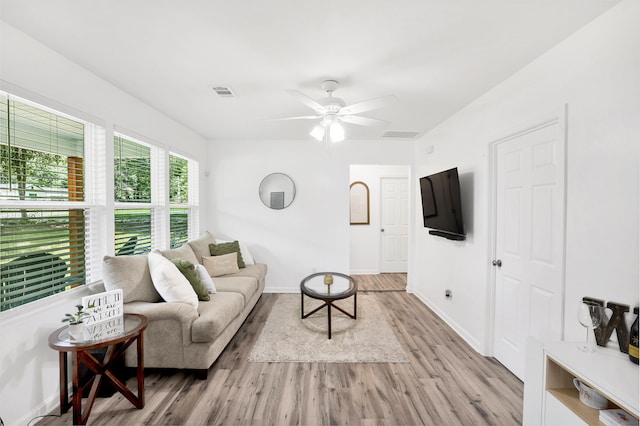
(364, 272)
(48, 406)
(451, 323)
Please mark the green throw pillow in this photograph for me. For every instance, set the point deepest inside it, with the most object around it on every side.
(188, 269)
(226, 248)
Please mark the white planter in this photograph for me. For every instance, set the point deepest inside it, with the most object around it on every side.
(76, 331)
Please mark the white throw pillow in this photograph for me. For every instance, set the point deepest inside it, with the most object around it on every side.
(244, 251)
(221, 265)
(169, 281)
(205, 278)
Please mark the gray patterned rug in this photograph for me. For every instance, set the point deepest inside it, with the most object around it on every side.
(287, 338)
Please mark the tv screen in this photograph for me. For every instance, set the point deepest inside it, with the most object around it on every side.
(441, 206)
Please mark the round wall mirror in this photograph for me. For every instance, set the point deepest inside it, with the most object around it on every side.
(277, 191)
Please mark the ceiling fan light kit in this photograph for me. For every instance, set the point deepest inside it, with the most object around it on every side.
(336, 132)
(328, 126)
(318, 132)
(332, 111)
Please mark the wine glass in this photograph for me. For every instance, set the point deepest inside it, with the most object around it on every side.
(590, 316)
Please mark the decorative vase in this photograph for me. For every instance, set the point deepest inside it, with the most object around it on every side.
(76, 331)
(328, 279)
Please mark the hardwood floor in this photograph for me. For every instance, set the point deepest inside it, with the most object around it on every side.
(445, 383)
(382, 282)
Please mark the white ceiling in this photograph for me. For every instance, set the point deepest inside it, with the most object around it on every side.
(435, 56)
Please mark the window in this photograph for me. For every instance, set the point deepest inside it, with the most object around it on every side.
(183, 215)
(43, 241)
(134, 213)
(53, 203)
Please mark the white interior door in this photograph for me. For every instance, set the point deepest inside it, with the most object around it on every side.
(394, 224)
(529, 263)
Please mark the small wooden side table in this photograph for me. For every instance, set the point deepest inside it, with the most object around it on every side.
(116, 345)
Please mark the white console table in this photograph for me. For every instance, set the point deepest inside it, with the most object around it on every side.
(549, 395)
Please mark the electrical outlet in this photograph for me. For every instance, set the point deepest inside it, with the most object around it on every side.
(447, 294)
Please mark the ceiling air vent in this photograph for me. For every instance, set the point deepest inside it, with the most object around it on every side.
(224, 91)
(400, 135)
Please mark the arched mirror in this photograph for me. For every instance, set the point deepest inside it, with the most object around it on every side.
(277, 191)
(359, 203)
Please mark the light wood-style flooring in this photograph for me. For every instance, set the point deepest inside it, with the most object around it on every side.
(445, 383)
(382, 282)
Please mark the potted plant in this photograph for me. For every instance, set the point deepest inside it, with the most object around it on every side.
(75, 320)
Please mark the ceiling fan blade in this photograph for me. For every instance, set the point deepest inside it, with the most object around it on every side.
(363, 106)
(363, 121)
(304, 117)
(306, 100)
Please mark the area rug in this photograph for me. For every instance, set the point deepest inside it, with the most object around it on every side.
(287, 338)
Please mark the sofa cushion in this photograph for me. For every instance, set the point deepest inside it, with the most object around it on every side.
(200, 245)
(205, 278)
(257, 271)
(244, 251)
(131, 274)
(226, 248)
(182, 252)
(170, 283)
(215, 315)
(246, 286)
(188, 269)
(221, 265)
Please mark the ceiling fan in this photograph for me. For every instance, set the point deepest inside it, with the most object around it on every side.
(331, 111)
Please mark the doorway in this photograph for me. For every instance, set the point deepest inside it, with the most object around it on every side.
(529, 203)
(366, 240)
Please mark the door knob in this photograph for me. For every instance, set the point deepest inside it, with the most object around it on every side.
(382, 230)
(497, 263)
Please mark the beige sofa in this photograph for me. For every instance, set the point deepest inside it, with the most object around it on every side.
(178, 335)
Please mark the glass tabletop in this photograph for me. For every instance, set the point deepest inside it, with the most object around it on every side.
(94, 334)
(340, 285)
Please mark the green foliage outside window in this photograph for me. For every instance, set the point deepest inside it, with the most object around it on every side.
(132, 171)
(32, 174)
(179, 227)
(178, 180)
(39, 152)
(42, 250)
(132, 231)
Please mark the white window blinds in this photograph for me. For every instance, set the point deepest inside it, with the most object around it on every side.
(42, 234)
(132, 185)
(180, 200)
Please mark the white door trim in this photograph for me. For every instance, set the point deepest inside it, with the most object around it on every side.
(556, 115)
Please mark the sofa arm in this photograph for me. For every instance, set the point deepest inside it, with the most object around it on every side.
(182, 313)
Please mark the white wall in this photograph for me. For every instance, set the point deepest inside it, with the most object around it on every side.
(29, 369)
(596, 72)
(311, 235)
(365, 240)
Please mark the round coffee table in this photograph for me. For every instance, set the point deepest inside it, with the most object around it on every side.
(342, 287)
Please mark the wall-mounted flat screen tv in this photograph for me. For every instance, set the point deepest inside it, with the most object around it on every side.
(441, 206)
